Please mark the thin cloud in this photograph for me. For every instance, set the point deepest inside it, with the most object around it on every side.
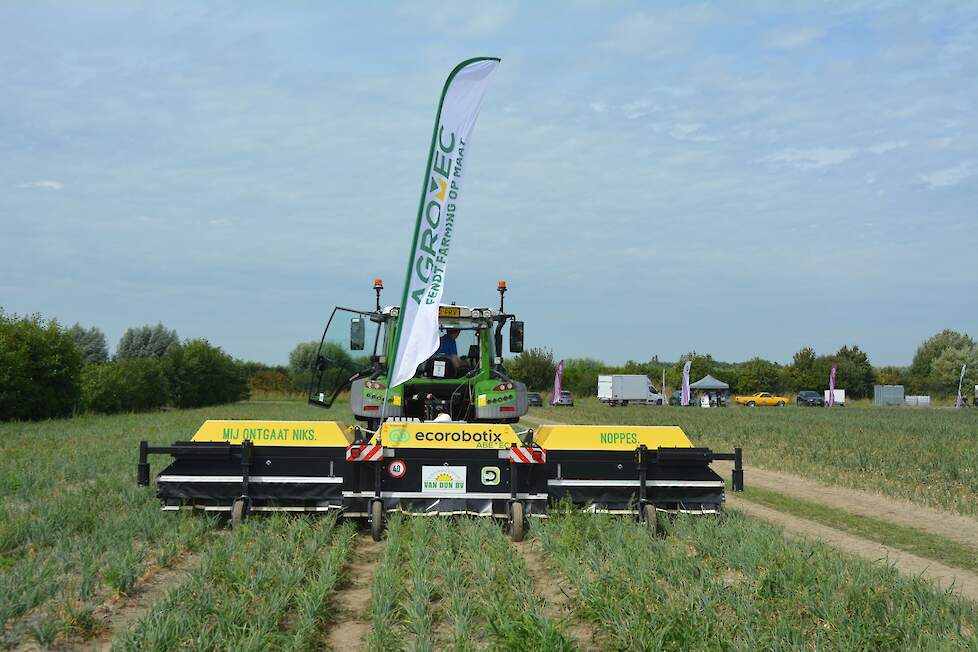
(948, 176)
(790, 39)
(814, 157)
(43, 184)
(889, 146)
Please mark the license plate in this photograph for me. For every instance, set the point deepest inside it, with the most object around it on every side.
(449, 311)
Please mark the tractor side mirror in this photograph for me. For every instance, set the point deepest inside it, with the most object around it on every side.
(516, 337)
(357, 334)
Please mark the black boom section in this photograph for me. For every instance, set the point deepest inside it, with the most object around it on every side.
(205, 474)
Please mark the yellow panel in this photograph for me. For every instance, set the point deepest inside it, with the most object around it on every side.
(609, 438)
(466, 436)
(274, 433)
(449, 311)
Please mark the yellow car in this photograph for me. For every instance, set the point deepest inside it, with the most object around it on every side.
(761, 398)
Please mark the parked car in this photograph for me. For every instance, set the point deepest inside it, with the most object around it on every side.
(565, 398)
(533, 399)
(809, 398)
(761, 398)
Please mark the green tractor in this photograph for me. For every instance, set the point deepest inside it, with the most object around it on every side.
(465, 381)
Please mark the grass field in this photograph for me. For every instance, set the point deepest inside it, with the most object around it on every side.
(77, 534)
(927, 456)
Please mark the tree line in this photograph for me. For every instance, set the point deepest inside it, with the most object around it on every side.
(935, 370)
(49, 371)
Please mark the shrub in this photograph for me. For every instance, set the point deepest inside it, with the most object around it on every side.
(198, 374)
(123, 386)
(535, 367)
(40, 369)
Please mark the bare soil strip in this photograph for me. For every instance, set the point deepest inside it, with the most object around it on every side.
(964, 582)
(960, 529)
(557, 597)
(351, 604)
(118, 614)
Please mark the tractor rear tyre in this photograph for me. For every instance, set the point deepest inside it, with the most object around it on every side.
(649, 515)
(237, 512)
(517, 524)
(377, 519)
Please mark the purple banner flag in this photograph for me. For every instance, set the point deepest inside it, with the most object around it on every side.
(685, 394)
(958, 402)
(831, 401)
(558, 383)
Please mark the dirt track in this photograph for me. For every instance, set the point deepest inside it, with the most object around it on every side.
(957, 528)
(558, 598)
(119, 615)
(965, 582)
(351, 604)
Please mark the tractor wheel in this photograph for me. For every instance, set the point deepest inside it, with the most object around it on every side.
(780, 403)
(750, 403)
(377, 519)
(649, 515)
(237, 512)
(517, 525)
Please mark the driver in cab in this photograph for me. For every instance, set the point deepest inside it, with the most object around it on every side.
(447, 346)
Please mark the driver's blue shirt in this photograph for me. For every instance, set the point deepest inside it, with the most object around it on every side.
(446, 346)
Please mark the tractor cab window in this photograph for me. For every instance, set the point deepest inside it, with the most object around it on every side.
(458, 352)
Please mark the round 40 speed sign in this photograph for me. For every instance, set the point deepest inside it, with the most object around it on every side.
(396, 468)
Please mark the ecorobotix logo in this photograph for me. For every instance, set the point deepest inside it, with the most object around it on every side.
(399, 435)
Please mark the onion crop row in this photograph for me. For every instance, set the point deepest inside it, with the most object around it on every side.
(456, 585)
(266, 585)
(737, 584)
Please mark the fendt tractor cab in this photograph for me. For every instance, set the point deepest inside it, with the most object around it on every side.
(464, 381)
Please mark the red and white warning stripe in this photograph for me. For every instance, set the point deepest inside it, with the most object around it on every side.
(364, 453)
(527, 455)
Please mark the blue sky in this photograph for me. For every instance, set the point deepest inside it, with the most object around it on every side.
(650, 179)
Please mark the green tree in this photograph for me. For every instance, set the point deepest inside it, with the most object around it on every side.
(757, 375)
(581, 375)
(946, 370)
(40, 369)
(146, 341)
(91, 343)
(854, 373)
(919, 375)
(535, 367)
(891, 375)
(804, 372)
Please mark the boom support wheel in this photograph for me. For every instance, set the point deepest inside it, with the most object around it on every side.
(650, 517)
(377, 519)
(238, 512)
(517, 522)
